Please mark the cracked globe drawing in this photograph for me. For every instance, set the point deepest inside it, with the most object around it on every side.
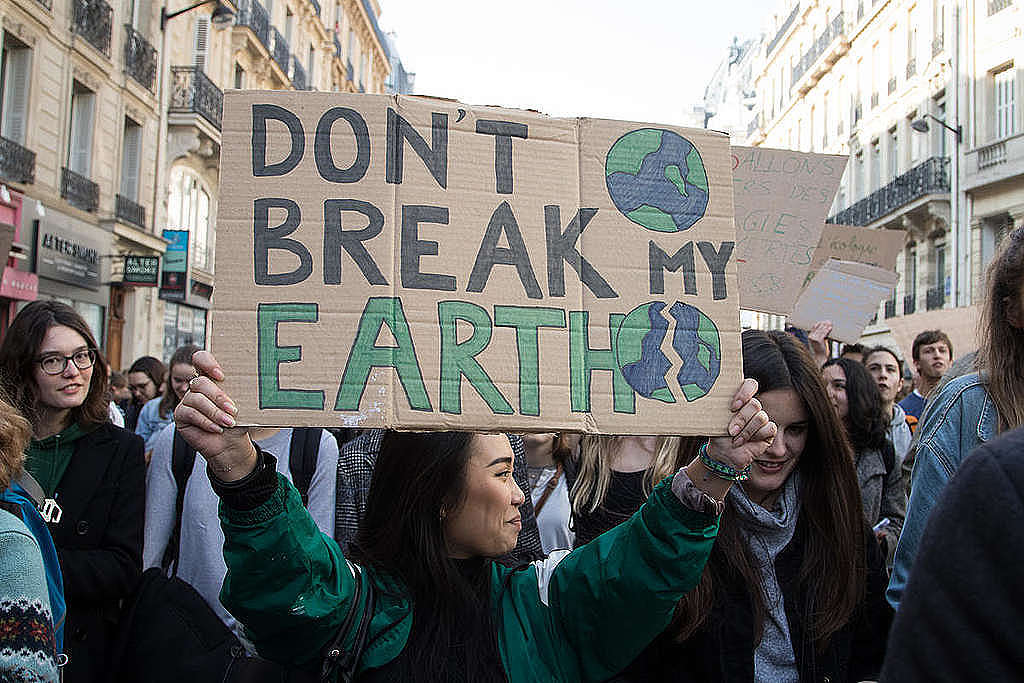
(657, 179)
(695, 341)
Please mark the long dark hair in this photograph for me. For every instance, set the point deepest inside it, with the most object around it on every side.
(153, 368)
(1001, 351)
(416, 478)
(832, 569)
(18, 361)
(181, 356)
(865, 422)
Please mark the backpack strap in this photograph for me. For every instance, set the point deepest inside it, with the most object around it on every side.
(183, 459)
(339, 664)
(302, 456)
(548, 489)
(48, 508)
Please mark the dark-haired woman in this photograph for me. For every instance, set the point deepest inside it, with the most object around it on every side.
(440, 506)
(159, 412)
(52, 369)
(859, 405)
(794, 589)
(548, 454)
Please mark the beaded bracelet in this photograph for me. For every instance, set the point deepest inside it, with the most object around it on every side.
(720, 469)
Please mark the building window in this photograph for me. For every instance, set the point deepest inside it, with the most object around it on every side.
(311, 68)
(188, 208)
(183, 325)
(857, 189)
(939, 276)
(83, 104)
(200, 41)
(289, 22)
(239, 77)
(894, 154)
(915, 139)
(940, 131)
(131, 149)
(15, 82)
(1005, 90)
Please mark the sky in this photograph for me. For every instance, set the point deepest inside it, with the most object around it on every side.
(639, 60)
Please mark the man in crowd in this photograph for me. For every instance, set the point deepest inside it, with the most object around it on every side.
(887, 370)
(932, 353)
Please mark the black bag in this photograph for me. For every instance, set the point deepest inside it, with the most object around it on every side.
(169, 634)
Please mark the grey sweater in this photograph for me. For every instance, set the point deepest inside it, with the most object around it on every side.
(201, 562)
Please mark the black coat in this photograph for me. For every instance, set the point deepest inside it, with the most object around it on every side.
(962, 613)
(722, 649)
(99, 543)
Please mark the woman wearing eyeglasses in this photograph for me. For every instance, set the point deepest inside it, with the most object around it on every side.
(51, 368)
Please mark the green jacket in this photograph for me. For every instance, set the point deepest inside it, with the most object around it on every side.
(48, 459)
(584, 617)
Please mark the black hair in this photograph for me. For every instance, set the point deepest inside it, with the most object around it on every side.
(884, 349)
(865, 420)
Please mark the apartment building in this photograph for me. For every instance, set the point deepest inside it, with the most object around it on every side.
(875, 79)
(110, 125)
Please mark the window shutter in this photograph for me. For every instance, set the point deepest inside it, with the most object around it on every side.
(80, 153)
(15, 103)
(201, 44)
(130, 161)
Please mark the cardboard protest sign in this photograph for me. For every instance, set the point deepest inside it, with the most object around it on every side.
(390, 261)
(861, 245)
(782, 199)
(846, 293)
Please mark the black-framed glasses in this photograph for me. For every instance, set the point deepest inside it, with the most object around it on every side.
(55, 364)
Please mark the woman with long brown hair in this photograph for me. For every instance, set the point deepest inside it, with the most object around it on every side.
(51, 367)
(972, 409)
(159, 412)
(794, 587)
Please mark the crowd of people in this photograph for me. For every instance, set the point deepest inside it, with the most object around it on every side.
(842, 531)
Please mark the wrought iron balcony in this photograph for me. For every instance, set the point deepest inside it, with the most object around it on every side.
(130, 212)
(911, 68)
(890, 308)
(998, 5)
(46, 4)
(17, 164)
(92, 21)
(79, 190)
(139, 58)
(279, 49)
(937, 44)
(929, 177)
(782, 29)
(818, 47)
(909, 303)
(255, 17)
(192, 92)
(935, 298)
(298, 75)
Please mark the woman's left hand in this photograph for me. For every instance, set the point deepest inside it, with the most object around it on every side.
(750, 430)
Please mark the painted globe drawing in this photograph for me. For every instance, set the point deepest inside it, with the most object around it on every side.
(695, 340)
(657, 179)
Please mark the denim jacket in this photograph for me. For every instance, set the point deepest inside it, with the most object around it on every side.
(961, 417)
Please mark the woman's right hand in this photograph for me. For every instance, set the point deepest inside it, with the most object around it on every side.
(205, 418)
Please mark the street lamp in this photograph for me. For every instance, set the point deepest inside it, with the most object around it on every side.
(221, 17)
(921, 126)
(956, 229)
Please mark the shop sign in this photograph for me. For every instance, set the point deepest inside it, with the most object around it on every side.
(175, 265)
(201, 289)
(68, 257)
(17, 284)
(141, 270)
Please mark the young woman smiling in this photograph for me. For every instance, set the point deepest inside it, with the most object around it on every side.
(794, 587)
(54, 373)
(440, 507)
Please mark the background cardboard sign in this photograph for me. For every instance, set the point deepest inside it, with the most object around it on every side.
(782, 200)
(846, 293)
(861, 245)
(401, 262)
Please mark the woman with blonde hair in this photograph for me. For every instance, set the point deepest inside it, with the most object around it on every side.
(28, 649)
(971, 409)
(615, 476)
